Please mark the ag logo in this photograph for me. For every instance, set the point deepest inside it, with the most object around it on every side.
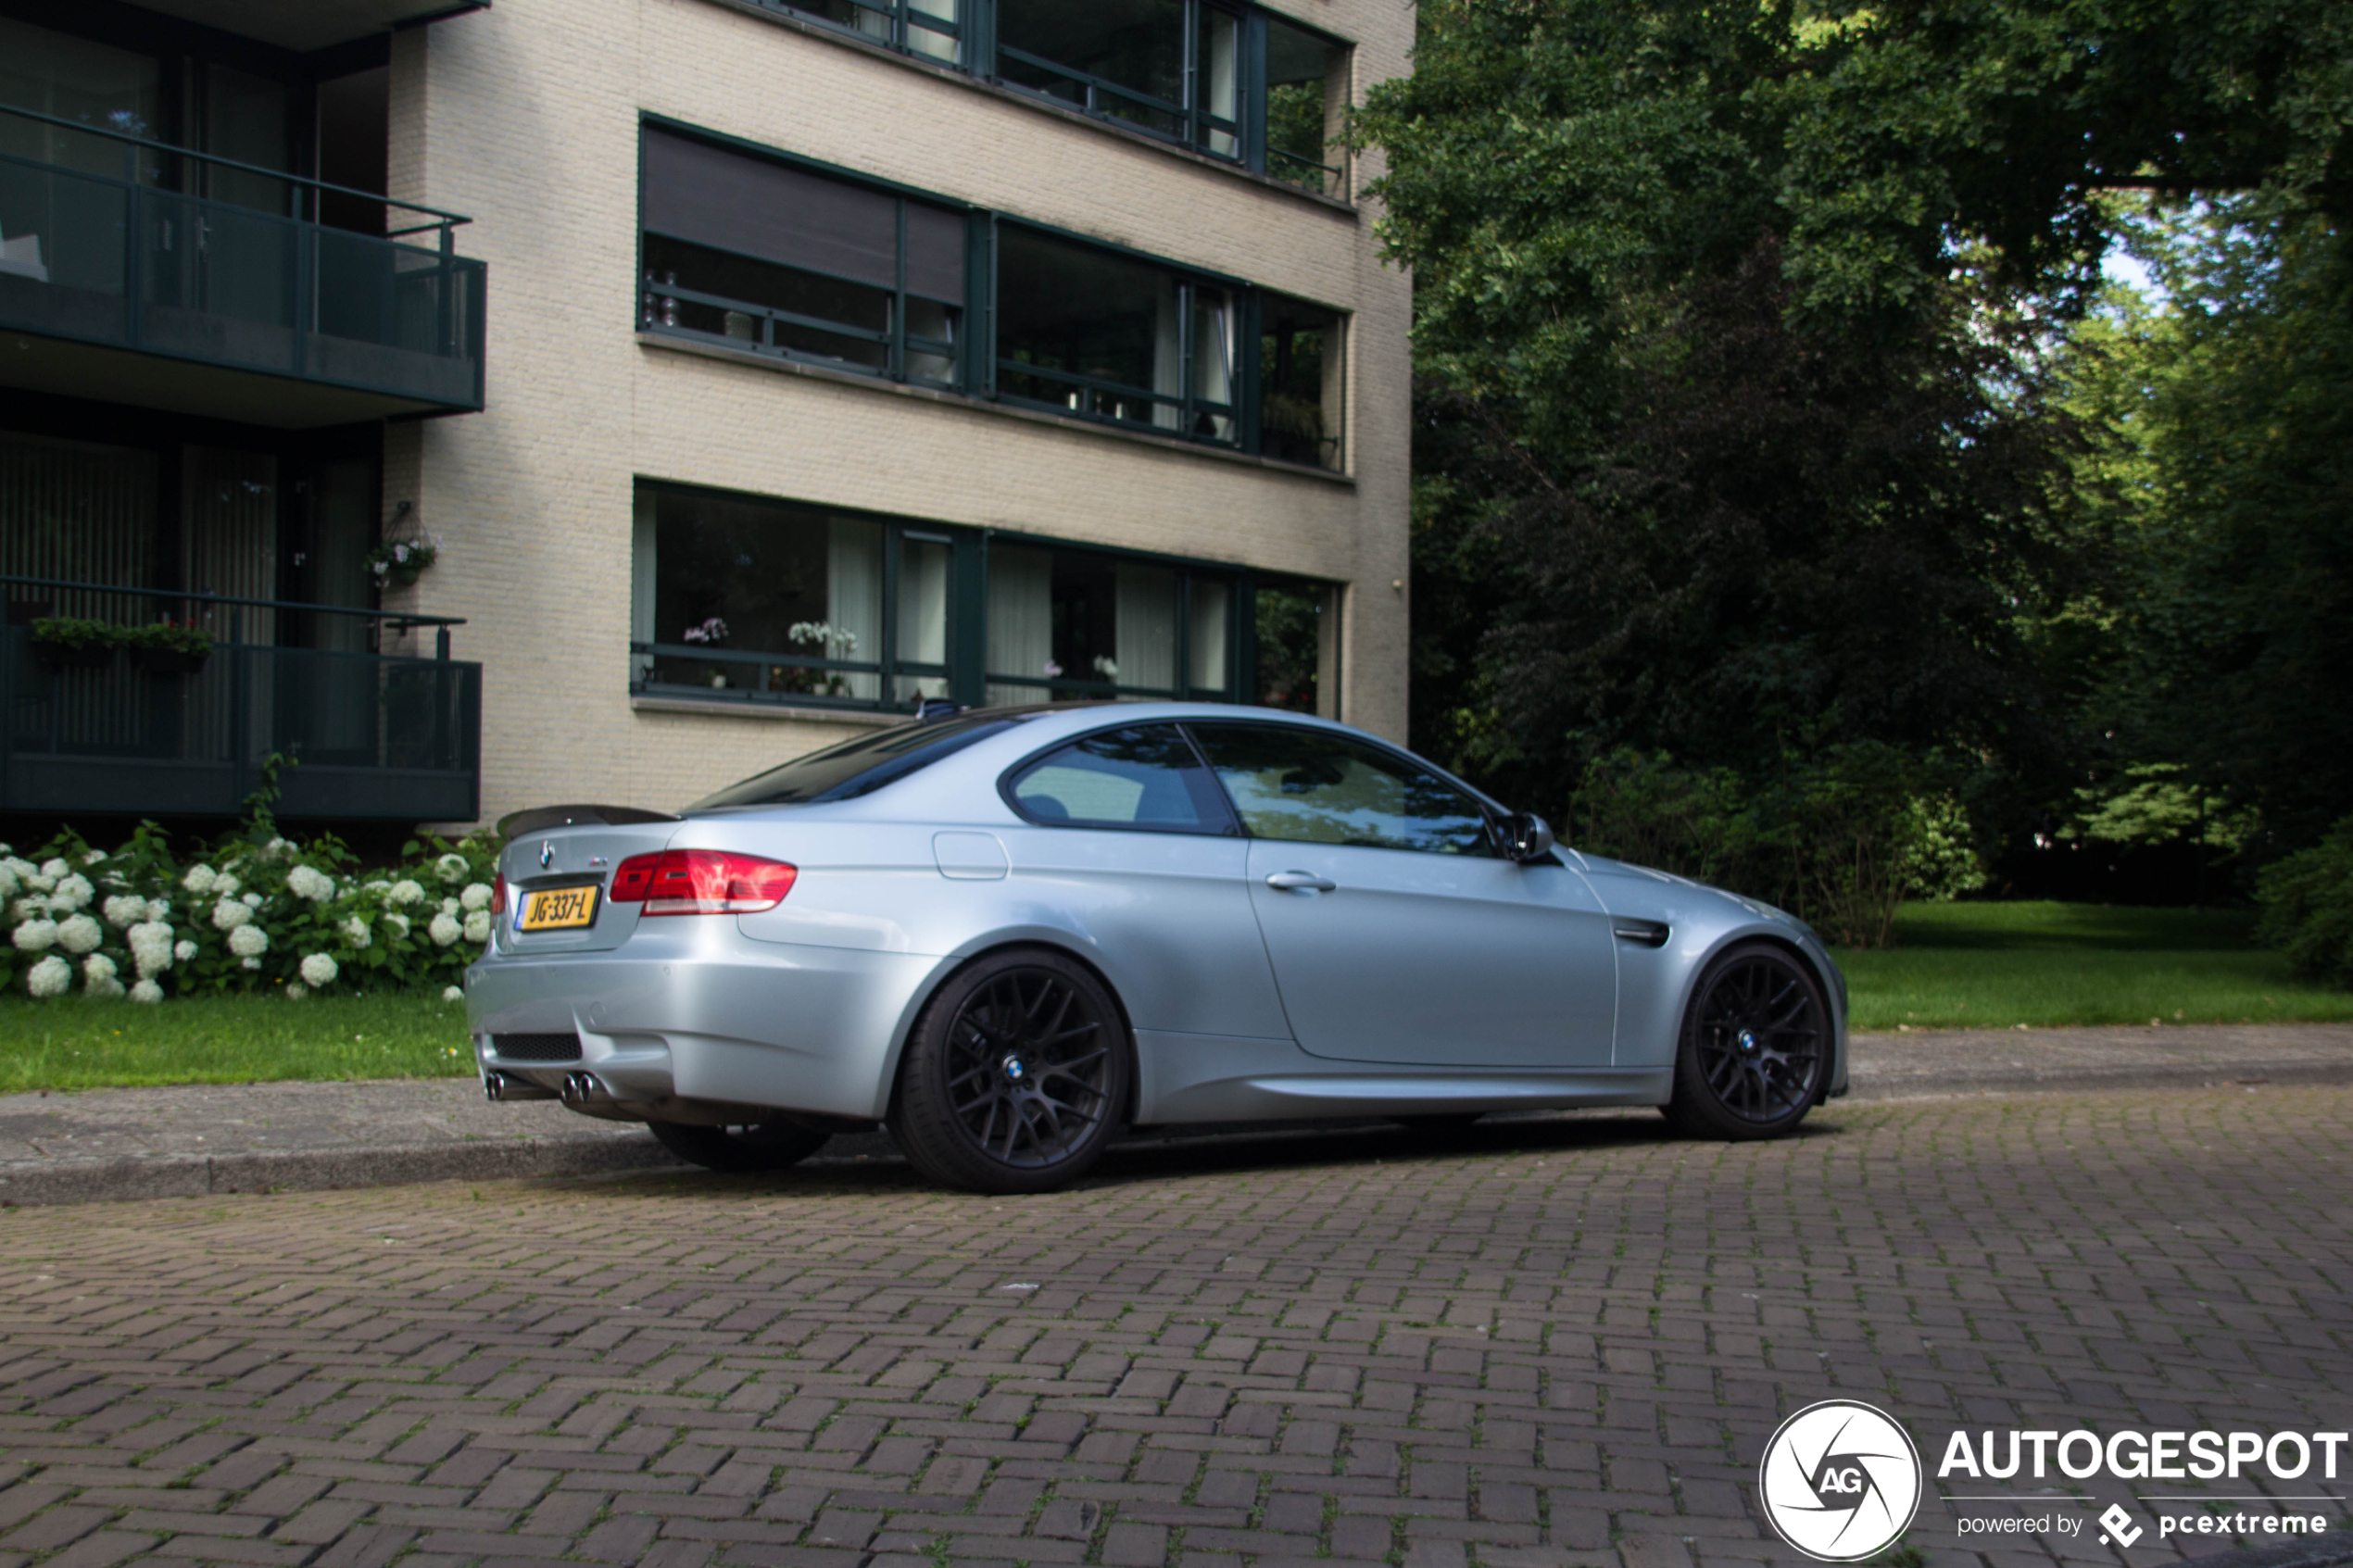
(1840, 1481)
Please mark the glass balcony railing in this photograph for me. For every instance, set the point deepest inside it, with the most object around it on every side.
(110, 240)
(371, 734)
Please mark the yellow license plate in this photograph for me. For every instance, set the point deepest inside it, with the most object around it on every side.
(555, 909)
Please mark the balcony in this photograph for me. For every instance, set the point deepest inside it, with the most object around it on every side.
(305, 25)
(126, 288)
(373, 736)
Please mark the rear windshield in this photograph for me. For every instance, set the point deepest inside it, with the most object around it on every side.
(859, 767)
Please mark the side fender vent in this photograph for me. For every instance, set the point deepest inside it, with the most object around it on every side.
(1641, 933)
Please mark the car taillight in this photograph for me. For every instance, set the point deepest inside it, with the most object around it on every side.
(498, 895)
(701, 882)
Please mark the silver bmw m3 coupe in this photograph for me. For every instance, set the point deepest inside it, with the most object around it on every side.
(1007, 934)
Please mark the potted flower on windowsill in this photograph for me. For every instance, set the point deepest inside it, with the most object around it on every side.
(711, 633)
(832, 642)
(167, 648)
(399, 562)
(74, 642)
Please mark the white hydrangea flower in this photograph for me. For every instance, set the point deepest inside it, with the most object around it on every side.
(279, 846)
(476, 896)
(73, 893)
(50, 977)
(9, 884)
(251, 963)
(405, 893)
(94, 858)
(147, 991)
(226, 885)
(98, 973)
(309, 882)
(453, 868)
(248, 941)
(318, 970)
(36, 936)
(183, 950)
(397, 924)
(374, 884)
(54, 868)
(80, 934)
(296, 991)
(251, 900)
(452, 994)
(450, 906)
(150, 947)
(123, 911)
(199, 879)
(228, 914)
(478, 926)
(158, 908)
(445, 929)
(355, 931)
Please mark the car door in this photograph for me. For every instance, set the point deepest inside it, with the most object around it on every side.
(1131, 843)
(1397, 931)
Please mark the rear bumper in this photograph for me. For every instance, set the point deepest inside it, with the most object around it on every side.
(738, 1022)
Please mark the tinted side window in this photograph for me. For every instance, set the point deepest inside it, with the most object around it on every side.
(1145, 777)
(1308, 786)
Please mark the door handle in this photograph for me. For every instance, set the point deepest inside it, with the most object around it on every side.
(1293, 881)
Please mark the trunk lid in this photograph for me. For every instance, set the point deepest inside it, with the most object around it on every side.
(580, 855)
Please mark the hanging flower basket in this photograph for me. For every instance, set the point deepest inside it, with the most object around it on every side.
(399, 562)
(166, 649)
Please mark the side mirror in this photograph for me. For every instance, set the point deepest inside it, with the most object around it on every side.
(1526, 837)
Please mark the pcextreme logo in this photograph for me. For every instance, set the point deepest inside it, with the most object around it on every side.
(1840, 1480)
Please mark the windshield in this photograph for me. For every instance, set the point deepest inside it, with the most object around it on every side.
(861, 766)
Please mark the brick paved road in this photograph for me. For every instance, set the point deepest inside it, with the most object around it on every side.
(1552, 1345)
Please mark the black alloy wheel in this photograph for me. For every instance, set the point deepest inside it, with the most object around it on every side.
(1754, 1051)
(765, 1146)
(1015, 1076)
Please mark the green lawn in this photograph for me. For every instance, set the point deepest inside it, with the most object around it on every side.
(1977, 966)
(75, 1043)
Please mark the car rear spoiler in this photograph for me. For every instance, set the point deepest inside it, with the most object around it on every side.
(541, 818)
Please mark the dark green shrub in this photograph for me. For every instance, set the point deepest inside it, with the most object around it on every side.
(2308, 908)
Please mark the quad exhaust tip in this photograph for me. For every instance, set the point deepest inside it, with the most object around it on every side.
(584, 1088)
(506, 1089)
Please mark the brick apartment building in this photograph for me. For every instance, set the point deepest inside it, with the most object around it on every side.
(754, 369)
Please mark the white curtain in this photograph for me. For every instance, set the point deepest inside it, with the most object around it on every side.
(923, 615)
(1021, 620)
(1214, 353)
(853, 600)
(1219, 99)
(922, 40)
(1145, 626)
(1212, 603)
(641, 584)
(1168, 365)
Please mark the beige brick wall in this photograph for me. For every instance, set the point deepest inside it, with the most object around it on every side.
(527, 116)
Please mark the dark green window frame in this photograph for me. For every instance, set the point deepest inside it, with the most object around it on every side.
(971, 41)
(983, 368)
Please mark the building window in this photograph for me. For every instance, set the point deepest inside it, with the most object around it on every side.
(739, 598)
(747, 599)
(1106, 336)
(1224, 79)
(1306, 108)
(1301, 386)
(1065, 623)
(763, 256)
(768, 257)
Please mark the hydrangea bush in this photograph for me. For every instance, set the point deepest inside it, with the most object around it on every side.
(260, 913)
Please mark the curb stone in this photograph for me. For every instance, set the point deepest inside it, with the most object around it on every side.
(111, 1181)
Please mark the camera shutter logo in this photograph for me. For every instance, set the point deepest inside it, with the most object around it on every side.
(1840, 1481)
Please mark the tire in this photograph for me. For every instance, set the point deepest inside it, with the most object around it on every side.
(1754, 1054)
(766, 1146)
(1015, 1076)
